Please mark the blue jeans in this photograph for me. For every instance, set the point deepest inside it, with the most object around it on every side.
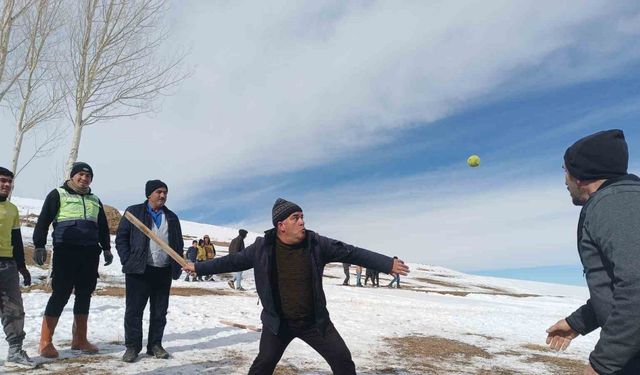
(396, 280)
(237, 277)
(358, 277)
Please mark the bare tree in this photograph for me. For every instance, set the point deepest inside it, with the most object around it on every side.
(37, 98)
(12, 10)
(115, 65)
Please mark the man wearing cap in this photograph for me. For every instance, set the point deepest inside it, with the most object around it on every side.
(148, 269)
(12, 263)
(236, 246)
(609, 248)
(80, 234)
(288, 264)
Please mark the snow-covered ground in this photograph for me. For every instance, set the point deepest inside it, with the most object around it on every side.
(504, 319)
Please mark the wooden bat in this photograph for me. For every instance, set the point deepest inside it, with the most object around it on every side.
(163, 245)
(240, 325)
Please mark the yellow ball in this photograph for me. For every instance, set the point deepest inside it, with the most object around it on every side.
(473, 161)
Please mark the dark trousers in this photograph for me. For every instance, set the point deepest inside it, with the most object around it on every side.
(11, 307)
(152, 286)
(330, 346)
(75, 269)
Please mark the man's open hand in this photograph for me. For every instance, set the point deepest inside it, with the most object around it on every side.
(559, 335)
(399, 268)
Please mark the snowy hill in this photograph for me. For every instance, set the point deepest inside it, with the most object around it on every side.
(440, 322)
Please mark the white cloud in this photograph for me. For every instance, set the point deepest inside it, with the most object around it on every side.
(279, 86)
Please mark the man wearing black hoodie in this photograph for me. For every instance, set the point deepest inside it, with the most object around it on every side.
(288, 264)
(609, 248)
(80, 234)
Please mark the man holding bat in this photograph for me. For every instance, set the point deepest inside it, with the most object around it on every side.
(288, 264)
(148, 268)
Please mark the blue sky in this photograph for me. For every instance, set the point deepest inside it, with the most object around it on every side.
(364, 114)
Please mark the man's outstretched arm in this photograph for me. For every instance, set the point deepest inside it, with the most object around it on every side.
(241, 261)
(338, 251)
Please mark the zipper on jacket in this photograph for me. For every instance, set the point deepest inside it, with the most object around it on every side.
(84, 206)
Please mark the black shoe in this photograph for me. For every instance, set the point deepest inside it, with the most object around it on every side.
(130, 355)
(158, 351)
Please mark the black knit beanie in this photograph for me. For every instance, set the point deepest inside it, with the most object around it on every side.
(152, 185)
(599, 156)
(242, 232)
(6, 172)
(282, 209)
(80, 167)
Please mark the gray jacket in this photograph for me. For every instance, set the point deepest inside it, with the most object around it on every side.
(609, 248)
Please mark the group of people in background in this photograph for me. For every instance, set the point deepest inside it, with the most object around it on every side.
(370, 273)
(203, 250)
(200, 251)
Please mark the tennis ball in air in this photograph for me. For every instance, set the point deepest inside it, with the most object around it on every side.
(473, 161)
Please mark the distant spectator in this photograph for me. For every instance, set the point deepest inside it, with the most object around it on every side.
(359, 276)
(192, 255)
(396, 279)
(368, 275)
(375, 278)
(345, 267)
(202, 255)
(236, 246)
(210, 252)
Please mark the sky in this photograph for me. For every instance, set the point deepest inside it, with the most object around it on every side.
(364, 113)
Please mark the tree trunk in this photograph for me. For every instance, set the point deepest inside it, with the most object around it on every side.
(75, 145)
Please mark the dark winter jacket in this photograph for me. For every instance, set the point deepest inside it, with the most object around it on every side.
(133, 245)
(236, 245)
(82, 233)
(609, 248)
(260, 256)
(192, 254)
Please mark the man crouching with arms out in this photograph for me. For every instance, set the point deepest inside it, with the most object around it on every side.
(609, 248)
(288, 264)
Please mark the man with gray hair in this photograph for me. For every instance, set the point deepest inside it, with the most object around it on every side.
(609, 248)
(288, 263)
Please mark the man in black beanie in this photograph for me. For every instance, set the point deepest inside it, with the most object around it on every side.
(148, 269)
(80, 234)
(288, 264)
(609, 247)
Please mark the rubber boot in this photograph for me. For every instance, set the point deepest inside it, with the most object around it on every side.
(79, 331)
(46, 348)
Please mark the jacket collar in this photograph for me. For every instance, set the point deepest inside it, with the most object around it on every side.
(611, 181)
(270, 236)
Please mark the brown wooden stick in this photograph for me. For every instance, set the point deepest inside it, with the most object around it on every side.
(240, 325)
(163, 245)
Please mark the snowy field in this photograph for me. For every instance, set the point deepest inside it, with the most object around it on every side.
(439, 322)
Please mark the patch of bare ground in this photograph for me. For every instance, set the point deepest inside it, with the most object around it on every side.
(484, 336)
(466, 293)
(540, 348)
(79, 365)
(175, 291)
(492, 289)
(430, 354)
(509, 352)
(560, 365)
(331, 277)
(497, 371)
(432, 281)
(286, 369)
